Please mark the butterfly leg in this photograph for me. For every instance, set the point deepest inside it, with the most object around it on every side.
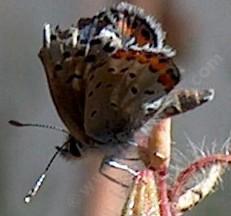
(111, 161)
(73, 149)
(114, 164)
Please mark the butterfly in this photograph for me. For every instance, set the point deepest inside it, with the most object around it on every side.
(110, 76)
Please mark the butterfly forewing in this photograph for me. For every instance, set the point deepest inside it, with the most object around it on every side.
(65, 82)
(145, 78)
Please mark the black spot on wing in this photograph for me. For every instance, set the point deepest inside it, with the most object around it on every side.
(132, 75)
(134, 90)
(114, 105)
(111, 70)
(90, 94)
(58, 67)
(93, 113)
(98, 85)
(149, 92)
(66, 54)
(108, 48)
(91, 77)
(123, 70)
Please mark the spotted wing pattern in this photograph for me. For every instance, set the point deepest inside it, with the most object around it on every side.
(132, 72)
(104, 69)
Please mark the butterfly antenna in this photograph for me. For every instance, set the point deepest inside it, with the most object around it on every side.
(39, 182)
(52, 127)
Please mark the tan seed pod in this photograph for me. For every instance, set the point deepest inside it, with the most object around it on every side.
(143, 197)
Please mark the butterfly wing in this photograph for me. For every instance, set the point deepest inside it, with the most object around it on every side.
(177, 102)
(65, 78)
(102, 72)
(124, 72)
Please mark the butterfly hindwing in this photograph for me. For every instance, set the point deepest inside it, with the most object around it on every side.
(146, 77)
(119, 86)
(121, 75)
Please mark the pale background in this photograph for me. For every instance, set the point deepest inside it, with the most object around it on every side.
(199, 30)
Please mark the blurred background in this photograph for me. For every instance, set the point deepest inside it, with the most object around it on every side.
(199, 30)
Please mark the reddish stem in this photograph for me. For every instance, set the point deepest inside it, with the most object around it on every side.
(185, 175)
(160, 177)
